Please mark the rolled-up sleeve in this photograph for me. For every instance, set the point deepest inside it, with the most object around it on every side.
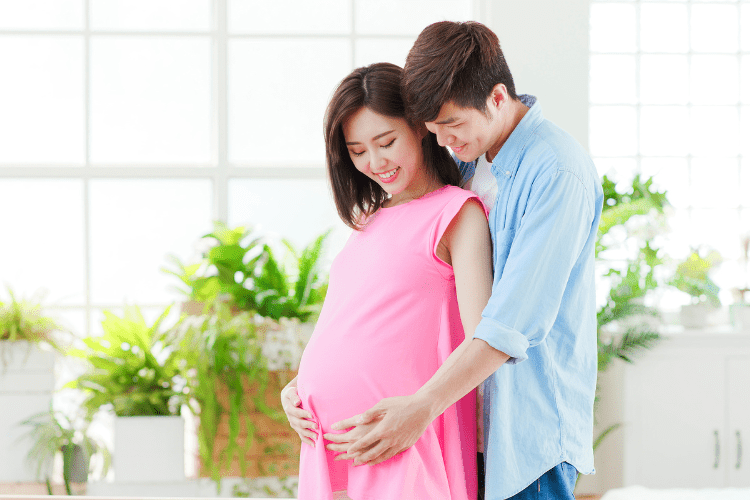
(527, 293)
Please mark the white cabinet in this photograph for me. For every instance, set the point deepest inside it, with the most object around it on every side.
(686, 414)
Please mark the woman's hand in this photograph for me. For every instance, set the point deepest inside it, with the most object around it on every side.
(299, 419)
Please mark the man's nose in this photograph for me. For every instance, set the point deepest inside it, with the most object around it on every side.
(443, 138)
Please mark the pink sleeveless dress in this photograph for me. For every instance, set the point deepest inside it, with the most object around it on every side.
(390, 319)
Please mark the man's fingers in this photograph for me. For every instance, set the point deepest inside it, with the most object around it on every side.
(338, 447)
(345, 424)
(370, 454)
(363, 418)
(337, 438)
(390, 453)
(364, 443)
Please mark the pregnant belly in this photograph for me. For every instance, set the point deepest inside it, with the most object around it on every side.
(335, 384)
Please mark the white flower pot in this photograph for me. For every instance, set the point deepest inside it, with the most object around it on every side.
(27, 380)
(149, 449)
(740, 317)
(698, 316)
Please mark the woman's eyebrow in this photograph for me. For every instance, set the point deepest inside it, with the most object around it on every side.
(374, 138)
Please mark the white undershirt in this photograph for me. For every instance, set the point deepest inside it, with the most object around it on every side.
(483, 183)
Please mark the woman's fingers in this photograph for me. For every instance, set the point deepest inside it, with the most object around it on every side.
(298, 413)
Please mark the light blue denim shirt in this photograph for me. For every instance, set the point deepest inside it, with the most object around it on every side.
(538, 407)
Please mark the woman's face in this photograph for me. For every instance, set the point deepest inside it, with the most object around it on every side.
(388, 151)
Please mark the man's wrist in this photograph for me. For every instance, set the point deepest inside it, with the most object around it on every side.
(431, 403)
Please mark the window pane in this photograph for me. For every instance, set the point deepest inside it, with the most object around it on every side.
(745, 78)
(745, 131)
(41, 106)
(714, 131)
(372, 50)
(41, 14)
(150, 100)
(670, 175)
(396, 17)
(745, 26)
(745, 187)
(664, 28)
(677, 245)
(714, 28)
(275, 115)
(45, 218)
(664, 79)
(612, 79)
(289, 16)
(714, 182)
(135, 224)
(612, 28)
(709, 229)
(151, 15)
(664, 131)
(714, 80)
(612, 131)
(298, 210)
(619, 170)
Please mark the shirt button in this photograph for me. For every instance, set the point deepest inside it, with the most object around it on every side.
(507, 172)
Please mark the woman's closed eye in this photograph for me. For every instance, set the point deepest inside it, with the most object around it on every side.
(389, 144)
(356, 153)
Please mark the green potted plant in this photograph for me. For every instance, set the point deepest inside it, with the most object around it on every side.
(27, 377)
(134, 373)
(692, 277)
(227, 381)
(53, 433)
(623, 322)
(23, 326)
(246, 270)
(632, 216)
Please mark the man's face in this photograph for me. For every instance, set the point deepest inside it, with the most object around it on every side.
(467, 131)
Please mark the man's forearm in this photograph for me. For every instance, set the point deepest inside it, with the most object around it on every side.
(467, 367)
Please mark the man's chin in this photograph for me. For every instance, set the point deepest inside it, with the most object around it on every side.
(465, 156)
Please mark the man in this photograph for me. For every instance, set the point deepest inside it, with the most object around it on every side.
(536, 342)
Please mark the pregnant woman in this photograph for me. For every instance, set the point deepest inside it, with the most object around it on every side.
(405, 292)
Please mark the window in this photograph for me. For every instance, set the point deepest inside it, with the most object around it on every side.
(670, 98)
(127, 126)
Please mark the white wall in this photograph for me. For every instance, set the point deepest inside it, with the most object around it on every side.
(546, 44)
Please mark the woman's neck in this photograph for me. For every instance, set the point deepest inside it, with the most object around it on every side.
(426, 186)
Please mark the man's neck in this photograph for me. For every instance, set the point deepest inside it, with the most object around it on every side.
(509, 121)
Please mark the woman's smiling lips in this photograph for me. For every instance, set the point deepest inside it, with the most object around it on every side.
(389, 176)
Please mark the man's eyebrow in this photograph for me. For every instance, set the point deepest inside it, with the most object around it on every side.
(374, 138)
(447, 120)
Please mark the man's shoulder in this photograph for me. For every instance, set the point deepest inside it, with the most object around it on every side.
(551, 150)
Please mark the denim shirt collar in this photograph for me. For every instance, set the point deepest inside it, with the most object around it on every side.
(507, 157)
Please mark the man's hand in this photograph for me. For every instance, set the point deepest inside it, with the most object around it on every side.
(340, 443)
(399, 423)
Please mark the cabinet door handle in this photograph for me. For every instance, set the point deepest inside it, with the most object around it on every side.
(739, 451)
(717, 449)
